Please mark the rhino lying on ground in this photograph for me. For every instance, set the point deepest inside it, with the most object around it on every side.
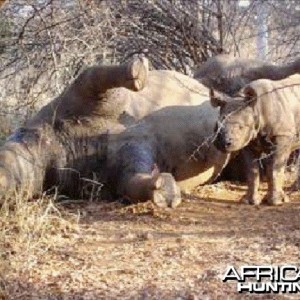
(130, 129)
(228, 74)
(263, 118)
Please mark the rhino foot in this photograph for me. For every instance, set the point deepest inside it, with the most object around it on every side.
(166, 192)
(295, 186)
(138, 73)
(254, 200)
(277, 198)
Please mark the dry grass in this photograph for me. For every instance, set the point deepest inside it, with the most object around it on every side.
(140, 252)
(28, 229)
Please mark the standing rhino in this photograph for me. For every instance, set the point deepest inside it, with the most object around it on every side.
(228, 74)
(130, 129)
(263, 119)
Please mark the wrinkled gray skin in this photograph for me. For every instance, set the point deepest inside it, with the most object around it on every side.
(228, 74)
(263, 119)
(130, 129)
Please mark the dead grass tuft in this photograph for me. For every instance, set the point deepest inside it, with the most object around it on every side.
(28, 229)
(139, 251)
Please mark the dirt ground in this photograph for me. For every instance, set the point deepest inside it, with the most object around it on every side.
(141, 252)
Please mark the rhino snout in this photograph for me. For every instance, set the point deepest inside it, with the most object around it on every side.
(227, 142)
(223, 143)
(224, 139)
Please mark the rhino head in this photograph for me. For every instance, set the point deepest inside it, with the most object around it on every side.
(238, 120)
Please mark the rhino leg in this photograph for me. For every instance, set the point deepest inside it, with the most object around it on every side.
(97, 80)
(275, 172)
(296, 185)
(275, 194)
(140, 179)
(136, 74)
(295, 161)
(253, 178)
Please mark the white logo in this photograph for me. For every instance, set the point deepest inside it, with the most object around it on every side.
(265, 279)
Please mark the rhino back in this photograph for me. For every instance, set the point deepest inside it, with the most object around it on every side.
(180, 128)
(229, 74)
(279, 104)
(226, 73)
(163, 89)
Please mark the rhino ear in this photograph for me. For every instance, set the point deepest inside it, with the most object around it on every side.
(250, 95)
(216, 98)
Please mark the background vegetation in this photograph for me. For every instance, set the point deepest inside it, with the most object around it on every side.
(44, 44)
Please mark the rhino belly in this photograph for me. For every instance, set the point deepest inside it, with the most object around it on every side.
(195, 173)
(204, 177)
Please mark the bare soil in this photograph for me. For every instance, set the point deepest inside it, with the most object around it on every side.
(142, 252)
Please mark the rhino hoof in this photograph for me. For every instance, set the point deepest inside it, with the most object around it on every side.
(251, 200)
(166, 192)
(138, 73)
(286, 198)
(278, 199)
(295, 186)
(274, 202)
